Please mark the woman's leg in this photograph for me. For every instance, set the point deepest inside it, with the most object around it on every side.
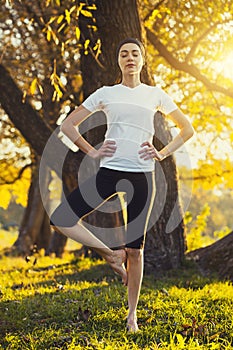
(81, 202)
(135, 275)
(115, 258)
(138, 211)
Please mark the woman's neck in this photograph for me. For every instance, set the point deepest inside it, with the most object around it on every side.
(131, 81)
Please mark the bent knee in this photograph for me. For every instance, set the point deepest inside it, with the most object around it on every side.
(134, 254)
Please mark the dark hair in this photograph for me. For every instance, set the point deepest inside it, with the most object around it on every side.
(133, 41)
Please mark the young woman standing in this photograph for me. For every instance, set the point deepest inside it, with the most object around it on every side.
(127, 159)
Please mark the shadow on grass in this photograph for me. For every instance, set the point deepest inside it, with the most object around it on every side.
(57, 312)
(85, 302)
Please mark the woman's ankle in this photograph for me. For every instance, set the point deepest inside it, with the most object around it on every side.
(132, 317)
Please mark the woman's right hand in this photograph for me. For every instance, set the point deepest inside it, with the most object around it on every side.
(107, 149)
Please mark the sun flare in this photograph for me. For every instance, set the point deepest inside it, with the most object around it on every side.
(225, 66)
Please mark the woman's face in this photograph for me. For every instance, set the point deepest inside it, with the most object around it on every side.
(130, 59)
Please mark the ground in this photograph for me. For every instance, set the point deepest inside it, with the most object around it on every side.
(77, 303)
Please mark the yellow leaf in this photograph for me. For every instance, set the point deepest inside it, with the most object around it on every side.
(24, 96)
(40, 87)
(86, 44)
(5, 196)
(58, 90)
(55, 38)
(81, 6)
(60, 18)
(72, 9)
(86, 13)
(92, 7)
(32, 88)
(52, 77)
(61, 27)
(67, 14)
(54, 96)
(48, 34)
(77, 32)
(94, 28)
(52, 19)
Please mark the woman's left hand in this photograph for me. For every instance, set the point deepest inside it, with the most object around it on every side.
(148, 151)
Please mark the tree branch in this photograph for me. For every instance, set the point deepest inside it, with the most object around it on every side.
(33, 128)
(184, 66)
(203, 177)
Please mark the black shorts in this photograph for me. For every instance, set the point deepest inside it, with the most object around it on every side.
(139, 190)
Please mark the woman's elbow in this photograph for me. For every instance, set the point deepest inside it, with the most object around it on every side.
(63, 127)
(189, 132)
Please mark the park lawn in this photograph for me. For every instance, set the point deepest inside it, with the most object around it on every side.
(78, 303)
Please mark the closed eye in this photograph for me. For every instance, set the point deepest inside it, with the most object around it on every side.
(124, 53)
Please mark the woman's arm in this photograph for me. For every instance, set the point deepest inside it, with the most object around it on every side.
(186, 131)
(69, 128)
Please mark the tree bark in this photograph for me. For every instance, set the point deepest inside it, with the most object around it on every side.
(34, 229)
(215, 259)
(165, 243)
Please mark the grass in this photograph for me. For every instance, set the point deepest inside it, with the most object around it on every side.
(77, 303)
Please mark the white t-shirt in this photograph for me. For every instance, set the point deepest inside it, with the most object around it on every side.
(130, 121)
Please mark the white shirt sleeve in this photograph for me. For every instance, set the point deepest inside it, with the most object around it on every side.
(167, 105)
(94, 101)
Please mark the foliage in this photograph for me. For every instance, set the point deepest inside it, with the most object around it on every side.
(15, 173)
(17, 190)
(197, 36)
(195, 238)
(208, 215)
(77, 303)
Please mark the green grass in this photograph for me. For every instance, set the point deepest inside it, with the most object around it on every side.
(75, 303)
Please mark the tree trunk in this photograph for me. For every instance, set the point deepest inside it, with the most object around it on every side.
(34, 229)
(215, 259)
(165, 244)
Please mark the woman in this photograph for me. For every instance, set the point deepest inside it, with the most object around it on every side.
(126, 164)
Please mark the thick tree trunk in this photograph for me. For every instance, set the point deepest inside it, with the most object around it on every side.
(216, 259)
(165, 240)
(165, 244)
(34, 229)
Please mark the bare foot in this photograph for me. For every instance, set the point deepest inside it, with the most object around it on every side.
(132, 326)
(116, 261)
